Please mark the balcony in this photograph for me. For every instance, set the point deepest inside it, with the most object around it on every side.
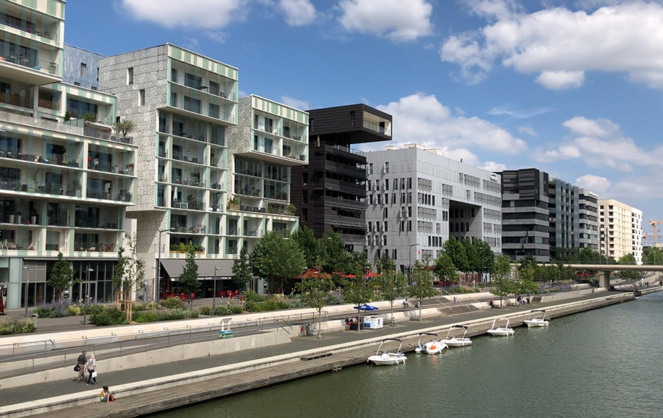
(29, 70)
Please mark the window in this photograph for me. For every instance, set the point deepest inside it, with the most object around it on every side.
(130, 75)
(83, 70)
(141, 97)
(386, 168)
(386, 227)
(370, 168)
(304, 196)
(386, 184)
(386, 212)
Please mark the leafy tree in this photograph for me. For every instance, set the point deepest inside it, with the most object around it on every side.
(129, 272)
(188, 280)
(473, 262)
(357, 289)
(653, 256)
(392, 285)
(485, 255)
(525, 283)
(125, 126)
(589, 256)
(503, 285)
(422, 284)
(629, 275)
(456, 252)
(277, 259)
(310, 246)
(445, 269)
(315, 291)
(61, 277)
(242, 269)
(335, 258)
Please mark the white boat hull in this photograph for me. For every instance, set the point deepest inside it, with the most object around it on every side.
(533, 323)
(501, 332)
(434, 347)
(457, 342)
(387, 359)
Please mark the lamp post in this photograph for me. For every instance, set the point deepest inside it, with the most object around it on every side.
(158, 278)
(87, 294)
(27, 290)
(214, 294)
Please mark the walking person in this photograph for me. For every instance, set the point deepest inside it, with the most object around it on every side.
(92, 370)
(81, 362)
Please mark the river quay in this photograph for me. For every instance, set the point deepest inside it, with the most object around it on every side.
(159, 387)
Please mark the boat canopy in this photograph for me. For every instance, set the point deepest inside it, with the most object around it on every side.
(428, 333)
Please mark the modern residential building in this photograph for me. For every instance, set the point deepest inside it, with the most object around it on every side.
(564, 220)
(526, 214)
(588, 211)
(619, 227)
(418, 199)
(330, 193)
(213, 171)
(61, 189)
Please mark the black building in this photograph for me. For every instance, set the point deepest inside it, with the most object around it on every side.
(330, 193)
(525, 214)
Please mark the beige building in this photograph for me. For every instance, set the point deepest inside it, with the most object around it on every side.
(620, 225)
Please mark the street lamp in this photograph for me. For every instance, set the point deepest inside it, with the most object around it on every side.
(214, 294)
(87, 294)
(27, 289)
(158, 278)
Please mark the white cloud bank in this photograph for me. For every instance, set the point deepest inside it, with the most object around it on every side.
(396, 20)
(562, 45)
(207, 14)
(297, 12)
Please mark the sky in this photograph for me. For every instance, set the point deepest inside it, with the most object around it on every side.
(572, 88)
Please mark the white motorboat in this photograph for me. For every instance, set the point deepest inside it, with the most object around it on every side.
(457, 340)
(388, 358)
(501, 331)
(434, 346)
(537, 318)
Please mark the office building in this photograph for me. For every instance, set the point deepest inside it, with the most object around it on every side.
(564, 220)
(588, 211)
(620, 225)
(418, 199)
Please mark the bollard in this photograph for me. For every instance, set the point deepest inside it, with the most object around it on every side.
(34, 318)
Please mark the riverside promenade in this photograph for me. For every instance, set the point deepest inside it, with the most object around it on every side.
(143, 390)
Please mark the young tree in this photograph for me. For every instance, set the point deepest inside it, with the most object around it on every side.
(445, 269)
(422, 284)
(392, 285)
(629, 275)
(525, 283)
(61, 278)
(503, 285)
(125, 126)
(473, 261)
(309, 245)
(277, 258)
(335, 258)
(316, 293)
(188, 280)
(456, 251)
(129, 272)
(242, 269)
(357, 289)
(485, 255)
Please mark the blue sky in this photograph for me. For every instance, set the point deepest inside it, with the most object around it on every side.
(570, 87)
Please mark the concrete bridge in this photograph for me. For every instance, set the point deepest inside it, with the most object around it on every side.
(606, 269)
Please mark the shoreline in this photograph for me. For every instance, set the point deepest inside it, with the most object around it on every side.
(266, 370)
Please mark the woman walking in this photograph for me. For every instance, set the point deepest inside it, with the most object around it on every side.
(92, 370)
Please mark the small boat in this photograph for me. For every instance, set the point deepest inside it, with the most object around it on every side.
(433, 346)
(534, 320)
(457, 340)
(388, 358)
(499, 331)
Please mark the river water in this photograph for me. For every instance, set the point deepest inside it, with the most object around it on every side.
(601, 363)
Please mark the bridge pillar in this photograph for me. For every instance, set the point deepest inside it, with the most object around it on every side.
(604, 279)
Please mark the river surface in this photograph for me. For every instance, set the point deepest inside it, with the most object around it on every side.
(601, 363)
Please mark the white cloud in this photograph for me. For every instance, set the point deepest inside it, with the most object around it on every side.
(297, 12)
(493, 166)
(396, 20)
(528, 130)
(558, 80)
(296, 103)
(217, 36)
(207, 14)
(597, 128)
(520, 114)
(562, 152)
(596, 184)
(422, 119)
(562, 45)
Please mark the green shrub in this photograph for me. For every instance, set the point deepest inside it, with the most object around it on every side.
(207, 310)
(251, 296)
(53, 310)
(95, 309)
(108, 317)
(12, 326)
(268, 305)
(234, 310)
(172, 303)
(145, 316)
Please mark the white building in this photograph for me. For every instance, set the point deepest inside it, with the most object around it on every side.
(418, 198)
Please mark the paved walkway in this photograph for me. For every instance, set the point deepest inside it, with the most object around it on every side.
(13, 396)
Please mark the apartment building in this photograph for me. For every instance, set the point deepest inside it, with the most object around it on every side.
(65, 179)
(564, 219)
(620, 229)
(526, 214)
(418, 199)
(588, 211)
(330, 193)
